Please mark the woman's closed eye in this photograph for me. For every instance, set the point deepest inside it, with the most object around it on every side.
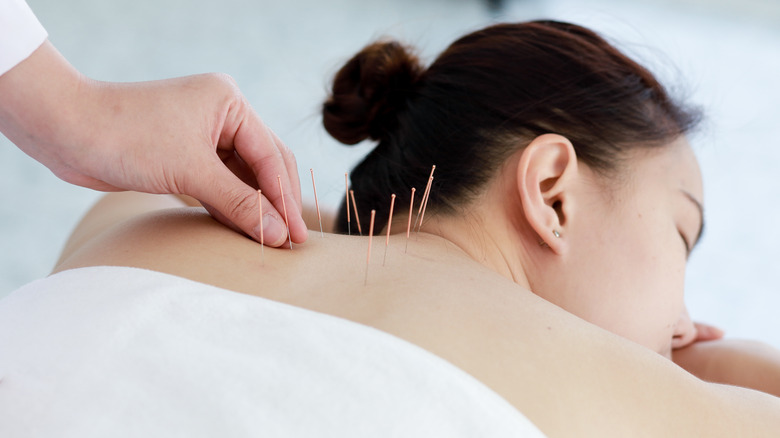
(687, 244)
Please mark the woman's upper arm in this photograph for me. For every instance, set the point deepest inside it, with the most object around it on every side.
(586, 381)
(641, 395)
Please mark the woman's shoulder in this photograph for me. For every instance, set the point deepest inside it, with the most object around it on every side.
(567, 376)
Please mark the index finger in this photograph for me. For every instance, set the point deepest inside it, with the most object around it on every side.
(292, 167)
(269, 158)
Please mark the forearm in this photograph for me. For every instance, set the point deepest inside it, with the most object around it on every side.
(195, 135)
(40, 103)
(733, 362)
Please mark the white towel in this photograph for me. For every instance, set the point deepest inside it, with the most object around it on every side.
(115, 352)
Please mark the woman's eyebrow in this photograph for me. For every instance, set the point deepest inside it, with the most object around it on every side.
(699, 207)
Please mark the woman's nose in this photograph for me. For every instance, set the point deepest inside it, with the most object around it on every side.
(684, 331)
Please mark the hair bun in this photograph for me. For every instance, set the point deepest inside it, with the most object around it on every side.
(368, 92)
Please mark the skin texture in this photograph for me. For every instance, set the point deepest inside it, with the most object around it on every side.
(478, 289)
(740, 362)
(620, 259)
(194, 135)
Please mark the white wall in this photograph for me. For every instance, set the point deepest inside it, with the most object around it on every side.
(282, 54)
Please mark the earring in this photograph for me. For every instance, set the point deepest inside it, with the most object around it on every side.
(544, 244)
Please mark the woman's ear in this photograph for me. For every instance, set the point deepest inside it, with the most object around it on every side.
(545, 172)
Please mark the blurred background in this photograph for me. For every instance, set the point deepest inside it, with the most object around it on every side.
(722, 54)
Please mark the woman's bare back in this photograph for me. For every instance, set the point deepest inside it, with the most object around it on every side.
(566, 375)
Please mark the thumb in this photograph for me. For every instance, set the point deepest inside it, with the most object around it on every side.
(235, 204)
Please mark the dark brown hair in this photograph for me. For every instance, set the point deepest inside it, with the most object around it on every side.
(485, 96)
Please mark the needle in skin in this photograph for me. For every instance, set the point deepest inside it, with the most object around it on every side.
(284, 207)
(389, 224)
(316, 202)
(425, 195)
(409, 223)
(370, 236)
(424, 203)
(262, 237)
(349, 224)
(354, 206)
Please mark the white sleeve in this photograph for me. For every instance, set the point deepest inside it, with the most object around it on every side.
(20, 33)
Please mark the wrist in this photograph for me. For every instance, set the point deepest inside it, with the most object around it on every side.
(41, 103)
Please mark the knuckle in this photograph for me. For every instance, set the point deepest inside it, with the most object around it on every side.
(228, 79)
(220, 84)
(222, 78)
(271, 163)
(239, 207)
(288, 155)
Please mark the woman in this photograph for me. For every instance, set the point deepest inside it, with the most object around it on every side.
(549, 266)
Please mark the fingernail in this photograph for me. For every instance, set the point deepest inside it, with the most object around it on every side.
(274, 231)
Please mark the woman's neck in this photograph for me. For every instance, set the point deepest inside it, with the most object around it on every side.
(488, 241)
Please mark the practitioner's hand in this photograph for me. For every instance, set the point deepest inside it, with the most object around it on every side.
(195, 135)
(211, 146)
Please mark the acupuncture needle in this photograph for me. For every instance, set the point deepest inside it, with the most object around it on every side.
(425, 203)
(389, 224)
(284, 206)
(425, 196)
(316, 202)
(370, 236)
(354, 208)
(349, 224)
(262, 236)
(409, 223)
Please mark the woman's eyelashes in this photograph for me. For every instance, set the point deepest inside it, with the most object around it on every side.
(689, 239)
(685, 243)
